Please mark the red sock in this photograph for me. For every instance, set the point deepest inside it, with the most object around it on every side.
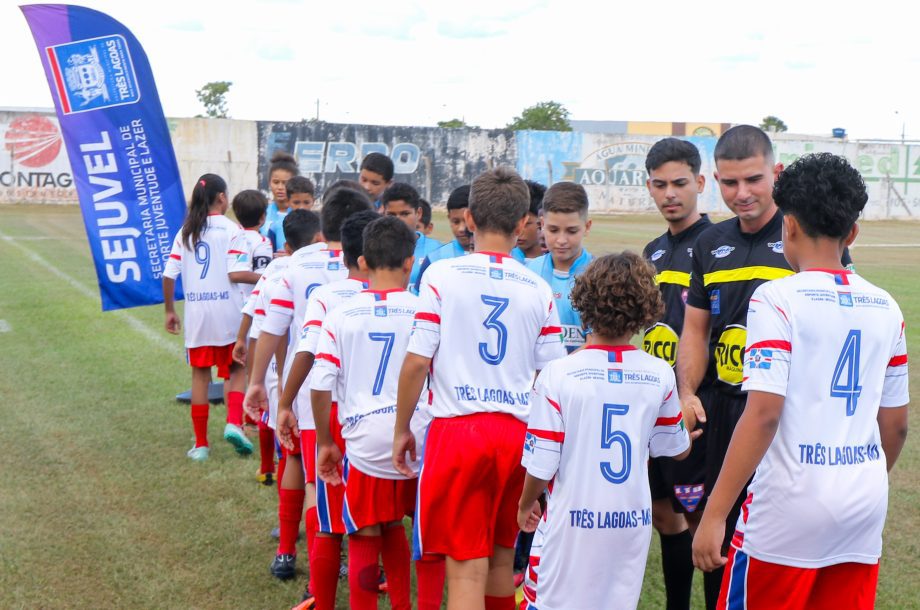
(266, 448)
(429, 575)
(200, 424)
(324, 570)
(290, 508)
(311, 526)
(499, 603)
(235, 408)
(363, 571)
(396, 561)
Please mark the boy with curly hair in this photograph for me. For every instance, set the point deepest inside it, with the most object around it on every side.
(598, 505)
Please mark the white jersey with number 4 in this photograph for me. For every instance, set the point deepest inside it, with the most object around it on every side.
(597, 415)
(212, 303)
(833, 345)
(360, 353)
(488, 323)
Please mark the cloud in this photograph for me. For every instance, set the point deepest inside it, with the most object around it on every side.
(187, 25)
(275, 52)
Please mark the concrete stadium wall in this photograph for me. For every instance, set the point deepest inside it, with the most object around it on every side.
(34, 167)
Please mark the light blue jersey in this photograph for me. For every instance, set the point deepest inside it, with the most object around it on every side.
(271, 215)
(562, 282)
(424, 246)
(276, 230)
(451, 249)
(518, 255)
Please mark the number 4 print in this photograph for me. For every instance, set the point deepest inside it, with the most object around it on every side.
(845, 383)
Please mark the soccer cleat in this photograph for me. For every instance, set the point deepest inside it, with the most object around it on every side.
(382, 586)
(283, 566)
(266, 478)
(233, 434)
(199, 454)
(343, 570)
(307, 602)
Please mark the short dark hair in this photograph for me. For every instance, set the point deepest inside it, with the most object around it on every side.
(249, 207)
(743, 142)
(352, 233)
(498, 200)
(566, 198)
(400, 191)
(617, 294)
(378, 163)
(327, 194)
(537, 191)
(300, 228)
(299, 184)
(426, 211)
(388, 242)
(284, 161)
(673, 149)
(823, 192)
(339, 205)
(459, 198)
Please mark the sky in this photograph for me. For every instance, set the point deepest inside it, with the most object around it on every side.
(394, 62)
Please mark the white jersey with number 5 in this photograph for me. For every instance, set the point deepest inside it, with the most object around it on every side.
(212, 303)
(360, 352)
(488, 323)
(597, 416)
(833, 345)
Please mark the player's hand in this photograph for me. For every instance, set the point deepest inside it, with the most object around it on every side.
(240, 352)
(528, 517)
(707, 544)
(286, 428)
(328, 458)
(693, 413)
(173, 324)
(255, 400)
(404, 442)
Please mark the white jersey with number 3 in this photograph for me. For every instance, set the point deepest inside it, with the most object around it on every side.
(833, 344)
(361, 350)
(597, 415)
(488, 323)
(212, 302)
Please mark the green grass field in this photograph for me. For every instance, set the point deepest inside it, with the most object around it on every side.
(100, 508)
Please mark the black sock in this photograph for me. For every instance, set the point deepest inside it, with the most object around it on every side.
(712, 583)
(677, 565)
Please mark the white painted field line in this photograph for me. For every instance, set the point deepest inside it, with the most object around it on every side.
(857, 245)
(5, 326)
(37, 238)
(148, 333)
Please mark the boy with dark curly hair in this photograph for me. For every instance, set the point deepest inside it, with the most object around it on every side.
(825, 371)
(598, 505)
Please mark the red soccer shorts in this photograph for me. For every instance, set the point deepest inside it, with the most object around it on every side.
(331, 498)
(751, 584)
(207, 356)
(308, 455)
(469, 486)
(371, 500)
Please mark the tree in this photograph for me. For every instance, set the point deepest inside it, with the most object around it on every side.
(547, 116)
(452, 124)
(772, 124)
(213, 97)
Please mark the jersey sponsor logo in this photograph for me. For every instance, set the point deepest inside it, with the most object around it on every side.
(729, 354)
(722, 251)
(760, 358)
(380, 311)
(689, 496)
(661, 341)
(496, 274)
(614, 375)
(715, 305)
(333, 265)
(530, 442)
(690, 252)
(776, 246)
(845, 299)
(656, 255)
(242, 257)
